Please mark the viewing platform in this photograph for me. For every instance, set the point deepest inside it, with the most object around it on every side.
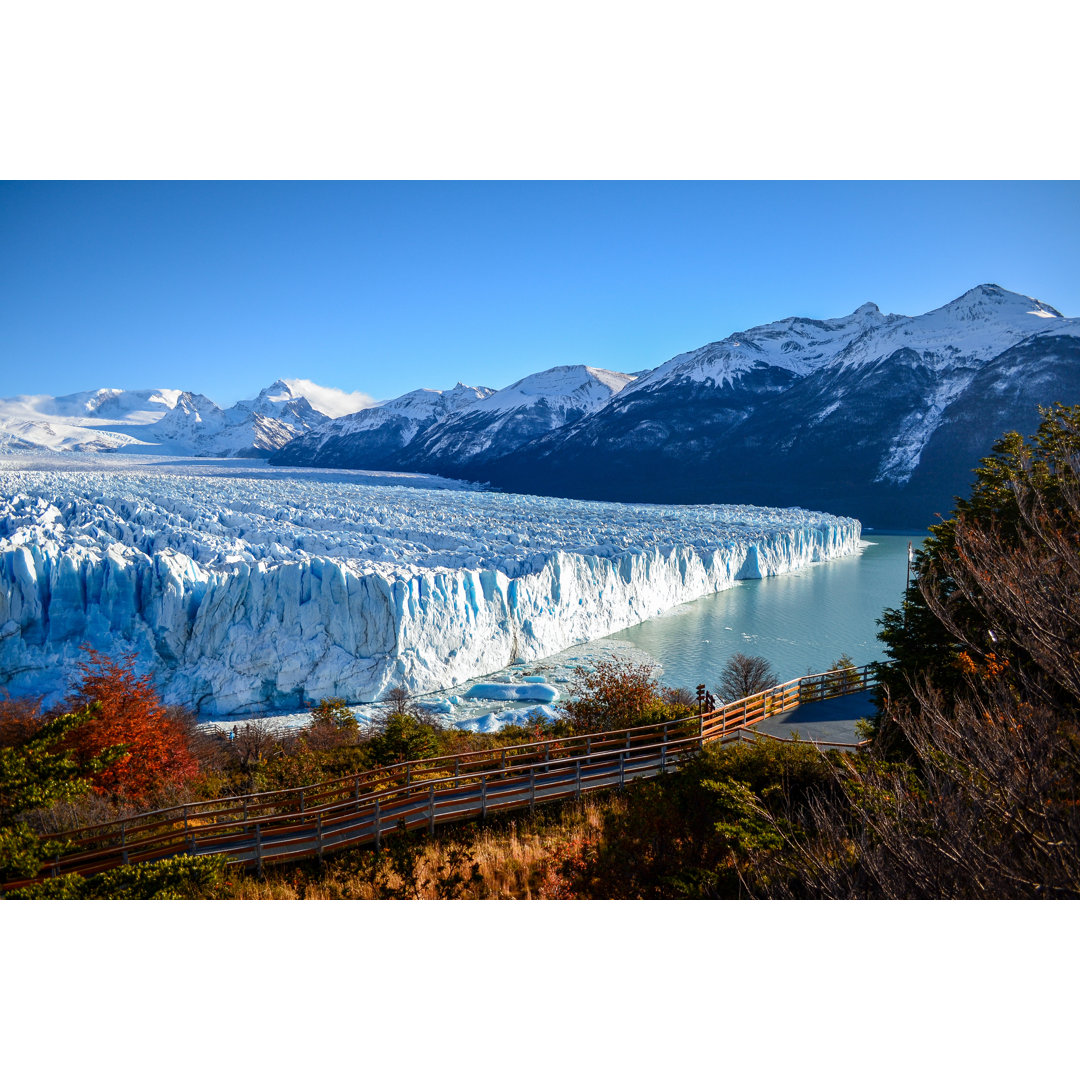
(830, 721)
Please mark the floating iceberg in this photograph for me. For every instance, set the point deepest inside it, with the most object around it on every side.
(246, 592)
(493, 721)
(529, 690)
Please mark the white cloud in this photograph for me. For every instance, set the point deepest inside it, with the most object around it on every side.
(328, 399)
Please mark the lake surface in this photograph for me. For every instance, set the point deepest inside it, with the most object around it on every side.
(798, 622)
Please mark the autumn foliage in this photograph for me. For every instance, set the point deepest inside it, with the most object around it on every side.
(618, 694)
(131, 714)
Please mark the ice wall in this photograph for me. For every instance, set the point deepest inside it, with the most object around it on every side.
(247, 594)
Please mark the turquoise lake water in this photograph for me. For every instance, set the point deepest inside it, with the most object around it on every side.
(798, 622)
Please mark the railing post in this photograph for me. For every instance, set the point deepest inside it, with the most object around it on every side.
(663, 758)
(547, 756)
(622, 768)
(378, 825)
(431, 811)
(408, 774)
(318, 835)
(588, 747)
(504, 760)
(532, 787)
(245, 808)
(258, 849)
(301, 802)
(577, 771)
(457, 771)
(123, 842)
(483, 798)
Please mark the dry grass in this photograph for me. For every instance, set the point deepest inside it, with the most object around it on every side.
(517, 857)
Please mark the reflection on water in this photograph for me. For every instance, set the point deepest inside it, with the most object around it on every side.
(798, 622)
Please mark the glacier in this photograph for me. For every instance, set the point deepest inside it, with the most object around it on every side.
(246, 590)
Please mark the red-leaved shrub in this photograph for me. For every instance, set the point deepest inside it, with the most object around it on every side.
(129, 713)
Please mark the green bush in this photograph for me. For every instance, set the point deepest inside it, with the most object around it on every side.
(37, 770)
(843, 677)
(714, 829)
(185, 877)
(404, 737)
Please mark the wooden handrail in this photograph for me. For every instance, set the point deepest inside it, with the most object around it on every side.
(423, 787)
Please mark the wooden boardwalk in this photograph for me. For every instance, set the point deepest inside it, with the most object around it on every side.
(278, 826)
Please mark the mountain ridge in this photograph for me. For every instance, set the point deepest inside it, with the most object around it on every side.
(164, 421)
(869, 414)
(830, 413)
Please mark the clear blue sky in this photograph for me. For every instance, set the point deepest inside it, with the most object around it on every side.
(384, 287)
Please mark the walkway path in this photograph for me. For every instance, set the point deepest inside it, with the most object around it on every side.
(832, 720)
(364, 807)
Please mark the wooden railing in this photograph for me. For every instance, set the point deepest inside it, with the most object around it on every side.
(777, 699)
(362, 808)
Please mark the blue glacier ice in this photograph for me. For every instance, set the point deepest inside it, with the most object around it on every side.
(246, 592)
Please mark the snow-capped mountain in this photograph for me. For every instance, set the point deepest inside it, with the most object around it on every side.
(131, 406)
(445, 431)
(703, 393)
(789, 348)
(376, 437)
(1003, 396)
(170, 422)
(327, 400)
(280, 402)
(528, 408)
(255, 427)
(835, 413)
(91, 421)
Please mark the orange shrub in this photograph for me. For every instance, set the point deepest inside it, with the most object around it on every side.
(20, 719)
(130, 713)
(615, 694)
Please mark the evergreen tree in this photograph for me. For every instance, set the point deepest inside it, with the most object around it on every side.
(1019, 476)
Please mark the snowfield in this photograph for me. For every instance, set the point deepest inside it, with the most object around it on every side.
(248, 590)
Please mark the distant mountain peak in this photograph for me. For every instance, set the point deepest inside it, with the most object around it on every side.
(326, 400)
(984, 299)
(188, 401)
(573, 388)
(279, 388)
